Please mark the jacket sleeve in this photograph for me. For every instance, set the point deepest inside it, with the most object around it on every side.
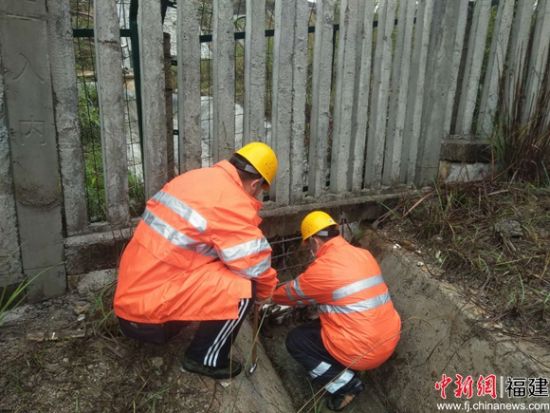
(242, 247)
(310, 287)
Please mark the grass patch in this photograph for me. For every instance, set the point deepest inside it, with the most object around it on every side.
(493, 239)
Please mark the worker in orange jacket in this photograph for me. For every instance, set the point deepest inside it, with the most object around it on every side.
(358, 326)
(198, 255)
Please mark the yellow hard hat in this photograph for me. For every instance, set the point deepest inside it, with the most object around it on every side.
(314, 222)
(262, 158)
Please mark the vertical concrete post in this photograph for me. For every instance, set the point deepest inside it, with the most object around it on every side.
(495, 68)
(111, 111)
(189, 84)
(254, 72)
(461, 17)
(152, 96)
(321, 88)
(223, 80)
(538, 59)
(66, 115)
(472, 67)
(168, 92)
(30, 119)
(380, 93)
(443, 34)
(415, 98)
(362, 93)
(398, 99)
(350, 18)
(517, 50)
(282, 95)
(299, 81)
(10, 254)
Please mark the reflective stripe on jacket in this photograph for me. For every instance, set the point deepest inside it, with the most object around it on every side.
(359, 325)
(195, 251)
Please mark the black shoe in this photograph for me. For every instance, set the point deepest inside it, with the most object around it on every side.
(339, 401)
(231, 370)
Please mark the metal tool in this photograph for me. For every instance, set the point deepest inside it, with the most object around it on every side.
(255, 338)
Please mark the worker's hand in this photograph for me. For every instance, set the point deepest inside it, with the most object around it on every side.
(263, 302)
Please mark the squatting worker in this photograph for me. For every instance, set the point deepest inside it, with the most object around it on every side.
(358, 327)
(198, 255)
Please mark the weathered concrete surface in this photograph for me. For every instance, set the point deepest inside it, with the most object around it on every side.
(10, 259)
(456, 149)
(102, 249)
(223, 80)
(32, 135)
(472, 67)
(380, 94)
(66, 115)
(443, 333)
(495, 68)
(111, 112)
(152, 92)
(189, 94)
(320, 106)
(91, 252)
(447, 30)
(415, 99)
(452, 172)
(254, 72)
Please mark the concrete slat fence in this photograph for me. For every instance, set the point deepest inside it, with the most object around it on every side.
(517, 50)
(472, 67)
(288, 97)
(155, 156)
(362, 91)
(415, 99)
(538, 59)
(378, 116)
(380, 94)
(254, 72)
(346, 67)
(459, 12)
(321, 89)
(495, 68)
(223, 80)
(398, 100)
(189, 81)
(66, 116)
(111, 112)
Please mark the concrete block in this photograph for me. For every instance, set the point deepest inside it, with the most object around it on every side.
(457, 149)
(452, 172)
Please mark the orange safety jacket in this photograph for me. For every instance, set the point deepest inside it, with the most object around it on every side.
(359, 325)
(195, 251)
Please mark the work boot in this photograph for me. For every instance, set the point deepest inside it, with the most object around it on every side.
(220, 373)
(339, 401)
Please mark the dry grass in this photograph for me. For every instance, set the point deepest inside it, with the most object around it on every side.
(494, 240)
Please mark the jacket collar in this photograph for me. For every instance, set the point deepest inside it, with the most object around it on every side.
(228, 168)
(333, 243)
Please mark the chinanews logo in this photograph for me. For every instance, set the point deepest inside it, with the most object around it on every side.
(513, 393)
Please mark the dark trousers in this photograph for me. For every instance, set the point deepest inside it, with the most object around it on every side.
(210, 345)
(305, 345)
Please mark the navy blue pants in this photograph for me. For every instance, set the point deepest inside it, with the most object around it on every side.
(210, 345)
(305, 345)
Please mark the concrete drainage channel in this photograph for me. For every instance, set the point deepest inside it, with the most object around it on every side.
(442, 334)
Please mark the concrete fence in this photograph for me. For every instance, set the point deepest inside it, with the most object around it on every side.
(362, 105)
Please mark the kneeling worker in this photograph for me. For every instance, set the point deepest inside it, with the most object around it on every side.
(358, 327)
(198, 255)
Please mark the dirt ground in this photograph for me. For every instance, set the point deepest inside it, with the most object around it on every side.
(67, 355)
